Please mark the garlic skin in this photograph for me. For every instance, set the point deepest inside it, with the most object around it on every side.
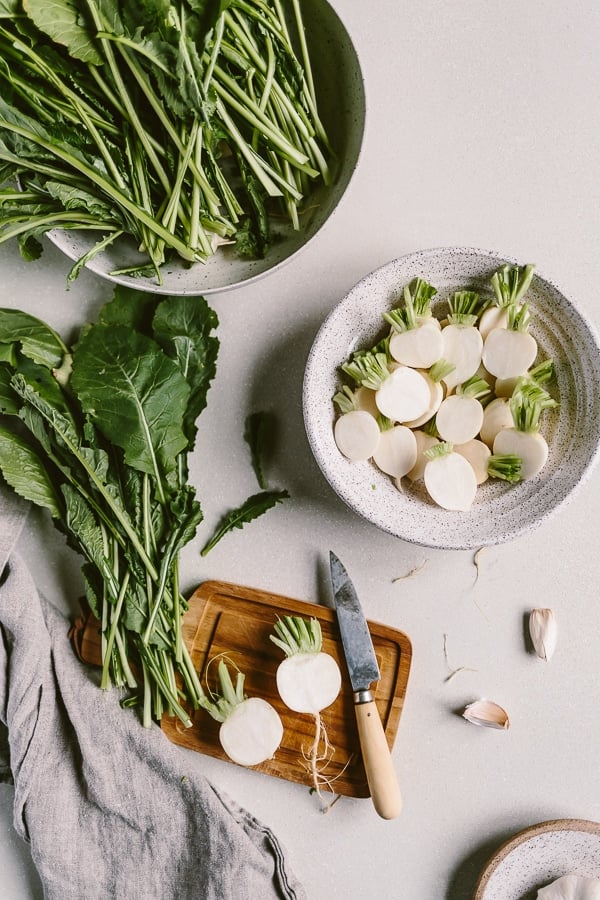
(543, 631)
(571, 887)
(486, 713)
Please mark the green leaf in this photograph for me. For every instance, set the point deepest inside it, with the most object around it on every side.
(62, 21)
(26, 473)
(255, 436)
(9, 9)
(37, 340)
(9, 403)
(182, 326)
(252, 508)
(135, 395)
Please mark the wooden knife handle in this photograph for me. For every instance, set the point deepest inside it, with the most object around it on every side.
(381, 775)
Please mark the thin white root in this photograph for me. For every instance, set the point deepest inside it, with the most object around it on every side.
(453, 672)
(476, 561)
(413, 572)
(318, 758)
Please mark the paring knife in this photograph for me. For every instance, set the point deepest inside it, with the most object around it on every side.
(363, 670)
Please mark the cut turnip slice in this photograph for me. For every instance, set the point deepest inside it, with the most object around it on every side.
(449, 478)
(403, 396)
(462, 348)
(308, 681)
(420, 347)
(459, 418)
(396, 453)
(252, 733)
(357, 435)
(436, 392)
(496, 416)
(507, 353)
(530, 447)
(463, 343)
(510, 284)
(424, 441)
(251, 729)
(492, 318)
(478, 454)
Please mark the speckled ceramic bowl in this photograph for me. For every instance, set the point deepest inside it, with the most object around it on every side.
(501, 511)
(341, 100)
(538, 856)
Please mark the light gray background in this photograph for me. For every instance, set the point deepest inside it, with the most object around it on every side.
(483, 130)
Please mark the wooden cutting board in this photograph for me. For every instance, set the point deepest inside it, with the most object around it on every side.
(237, 621)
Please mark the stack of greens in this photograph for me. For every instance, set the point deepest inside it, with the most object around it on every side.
(182, 125)
(100, 438)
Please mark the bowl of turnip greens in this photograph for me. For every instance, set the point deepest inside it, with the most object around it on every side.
(452, 398)
(175, 148)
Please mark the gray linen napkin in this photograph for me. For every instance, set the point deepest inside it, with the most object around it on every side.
(108, 807)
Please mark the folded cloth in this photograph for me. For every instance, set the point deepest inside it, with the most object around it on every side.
(109, 808)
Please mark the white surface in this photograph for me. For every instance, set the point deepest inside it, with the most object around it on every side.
(483, 129)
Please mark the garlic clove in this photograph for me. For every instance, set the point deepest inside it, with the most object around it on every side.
(543, 631)
(486, 713)
(571, 887)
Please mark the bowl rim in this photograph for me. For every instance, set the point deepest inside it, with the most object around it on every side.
(587, 826)
(311, 362)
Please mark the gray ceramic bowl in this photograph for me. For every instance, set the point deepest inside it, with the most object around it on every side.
(501, 511)
(341, 100)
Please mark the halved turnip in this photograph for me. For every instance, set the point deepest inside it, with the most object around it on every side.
(357, 435)
(436, 394)
(510, 284)
(460, 416)
(449, 478)
(396, 452)
(424, 441)
(415, 339)
(511, 351)
(400, 395)
(477, 453)
(462, 342)
(251, 729)
(524, 439)
(496, 416)
(308, 681)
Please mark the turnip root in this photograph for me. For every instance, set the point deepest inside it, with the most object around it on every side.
(449, 478)
(308, 681)
(396, 452)
(251, 729)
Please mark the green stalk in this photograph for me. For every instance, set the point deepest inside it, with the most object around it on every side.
(105, 680)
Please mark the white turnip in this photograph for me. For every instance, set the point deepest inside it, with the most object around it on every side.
(511, 351)
(449, 478)
(396, 452)
(357, 435)
(251, 729)
(308, 681)
(460, 416)
(462, 342)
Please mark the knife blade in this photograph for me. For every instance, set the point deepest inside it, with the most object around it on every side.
(364, 671)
